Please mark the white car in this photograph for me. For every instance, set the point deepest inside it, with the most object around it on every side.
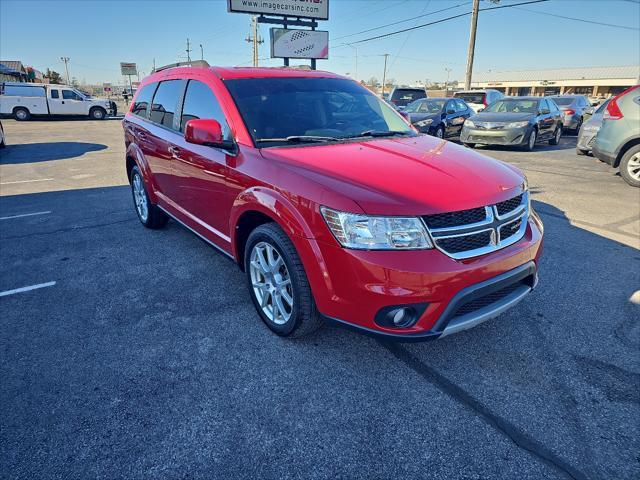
(479, 99)
(21, 100)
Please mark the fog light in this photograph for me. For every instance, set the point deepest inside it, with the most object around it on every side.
(400, 316)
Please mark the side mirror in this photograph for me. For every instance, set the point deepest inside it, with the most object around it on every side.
(451, 111)
(206, 132)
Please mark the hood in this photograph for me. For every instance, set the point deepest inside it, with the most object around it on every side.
(501, 117)
(403, 176)
(416, 117)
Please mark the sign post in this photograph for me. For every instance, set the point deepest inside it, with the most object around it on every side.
(128, 69)
(309, 44)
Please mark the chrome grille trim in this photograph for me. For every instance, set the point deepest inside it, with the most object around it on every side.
(492, 222)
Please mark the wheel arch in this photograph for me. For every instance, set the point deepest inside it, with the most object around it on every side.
(135, 157)
(625, 148)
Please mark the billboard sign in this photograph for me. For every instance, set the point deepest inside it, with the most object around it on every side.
(128, 68)
(287, 43)
(316, 9)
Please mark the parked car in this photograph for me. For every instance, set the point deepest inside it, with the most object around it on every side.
(400, 97)
(440, 117)
(22, 100)
(573, 110)
(331, 203)
(479, 99)
(517, 121)
(589, 130)
(618, 140)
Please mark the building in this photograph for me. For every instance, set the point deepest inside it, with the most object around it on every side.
(12, 71)
(590, 81)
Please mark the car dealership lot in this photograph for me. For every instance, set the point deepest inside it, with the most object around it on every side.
(146, 358)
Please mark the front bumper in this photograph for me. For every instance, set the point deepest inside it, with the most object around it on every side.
(605, 156)
(359, 284)
(511, 136)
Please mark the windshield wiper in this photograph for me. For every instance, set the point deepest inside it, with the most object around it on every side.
(380, 133)
(298, 139)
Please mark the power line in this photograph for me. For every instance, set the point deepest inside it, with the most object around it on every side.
(444, 20)
(401, 21)
(581, 19)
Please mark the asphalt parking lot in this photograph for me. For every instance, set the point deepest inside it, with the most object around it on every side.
(145, 358)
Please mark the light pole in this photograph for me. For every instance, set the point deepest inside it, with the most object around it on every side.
(66, 68)
(446, 84)
(201, 53)
(356, 54)
(384, 72)
(472, 44)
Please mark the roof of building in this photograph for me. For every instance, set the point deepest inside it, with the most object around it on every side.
(14, 65)
(555, 74)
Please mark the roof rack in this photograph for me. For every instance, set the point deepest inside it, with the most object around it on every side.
(193, 63)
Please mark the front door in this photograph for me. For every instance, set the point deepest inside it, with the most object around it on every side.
(64, 101)
(199, 171)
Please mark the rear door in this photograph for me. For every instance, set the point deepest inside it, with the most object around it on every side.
(201, 171)
(162, 134)
(546, 121)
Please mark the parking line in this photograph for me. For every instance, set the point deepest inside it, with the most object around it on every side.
(26, 289)
(27, 181)
(24, 215)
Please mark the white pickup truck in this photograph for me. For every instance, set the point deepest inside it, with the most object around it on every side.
(21, 100)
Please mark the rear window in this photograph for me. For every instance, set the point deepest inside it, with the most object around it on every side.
(20, 91)
(141, 105)
(563, 101)
(404, 96)
(165, 102)
(471, 97)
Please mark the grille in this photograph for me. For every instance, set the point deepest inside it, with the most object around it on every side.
(487, 300)
(466, 242)
(508, 205)
(455, 219)
(510, 229)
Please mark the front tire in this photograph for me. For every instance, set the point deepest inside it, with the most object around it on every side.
(630, 166)
(148, 213)
(21, 114)
(97, 113)
(278, 284)
(439, 133)
(470, 145)
(581, 152)
(531, 141)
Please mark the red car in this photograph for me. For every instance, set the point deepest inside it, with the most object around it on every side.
(333, 205)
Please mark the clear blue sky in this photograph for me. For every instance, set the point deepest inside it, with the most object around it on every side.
(98, 34)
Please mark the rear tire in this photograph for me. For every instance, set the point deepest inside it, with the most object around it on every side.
(149, 214)
(630, 166)
(470, 145)
(556, 136)
(579, 151)
(97, 113)
(21, 114)
(303, 316)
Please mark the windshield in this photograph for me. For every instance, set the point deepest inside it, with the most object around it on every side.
(513, 106)
(274, 109)
(471, 97)
(404, 96)
(425, 106)
(563, 101)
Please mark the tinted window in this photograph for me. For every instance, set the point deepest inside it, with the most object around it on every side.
(461, 106)
(471, 97)
(563, 101)
(275, 108)
(200, 102)
(544, 105)
(165, 102)
(603, 106)
(20, 91)
(425, 106)
(404, 96)
(141, 105)
(554, 108)
(451, 105)
(55, 94)
(70, 95)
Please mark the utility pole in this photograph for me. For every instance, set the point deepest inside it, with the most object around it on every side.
(356, 53)
(201, 53)
(446, 84)
(188, 51)
(253, 38)
(472, 44)
(384, 72)
(66, 68)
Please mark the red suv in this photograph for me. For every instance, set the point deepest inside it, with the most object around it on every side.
(333, 205)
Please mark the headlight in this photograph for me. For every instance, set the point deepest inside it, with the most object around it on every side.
(425, 123)
(516, 124)
(469, 123)
(363, 232)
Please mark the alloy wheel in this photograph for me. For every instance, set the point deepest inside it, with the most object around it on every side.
(633, 167)
(271, 283)
(140, 198)
(532, 140)
(558, 134)
(439, 133)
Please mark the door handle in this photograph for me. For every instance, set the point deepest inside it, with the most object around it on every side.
(174, 151)
(142, 135)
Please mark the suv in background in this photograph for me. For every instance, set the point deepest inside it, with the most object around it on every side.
(479, 99)
(402, 96)
(618, 140)
(338, 212)
(574, 108)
